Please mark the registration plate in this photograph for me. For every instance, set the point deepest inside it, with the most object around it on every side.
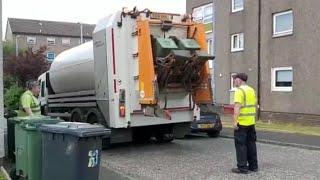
(205, 126)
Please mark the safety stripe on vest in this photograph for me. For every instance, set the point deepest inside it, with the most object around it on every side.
(248, 106)
(245, 100)
(36, 109)
(247, 114)
(244, 96)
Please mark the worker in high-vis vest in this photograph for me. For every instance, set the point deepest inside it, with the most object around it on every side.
(29, 103)
(245, 104)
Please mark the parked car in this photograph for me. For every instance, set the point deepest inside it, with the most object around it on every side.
(209, 122)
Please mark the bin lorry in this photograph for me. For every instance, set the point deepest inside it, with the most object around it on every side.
(142, 76)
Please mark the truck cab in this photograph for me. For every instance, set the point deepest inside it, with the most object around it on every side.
(43, 99)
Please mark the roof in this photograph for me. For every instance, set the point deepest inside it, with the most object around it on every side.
(52, 28)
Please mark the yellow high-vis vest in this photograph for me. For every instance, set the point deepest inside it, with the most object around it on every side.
(246, 96)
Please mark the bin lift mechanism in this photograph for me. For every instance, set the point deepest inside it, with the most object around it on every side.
(176, 67)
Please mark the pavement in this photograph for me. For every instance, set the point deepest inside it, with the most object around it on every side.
(279, 138)
(151, 161)
(200, 157)
(284, 139)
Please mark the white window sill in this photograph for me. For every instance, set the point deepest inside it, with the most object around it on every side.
(236, 10)
(280, 34)
(281, 89)
(236, 50)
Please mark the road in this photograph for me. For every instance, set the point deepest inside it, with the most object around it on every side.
(200, 157)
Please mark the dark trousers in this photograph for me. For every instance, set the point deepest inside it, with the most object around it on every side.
(245, 141)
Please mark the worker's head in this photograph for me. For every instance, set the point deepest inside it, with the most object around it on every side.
(239, 79)
(33, 86)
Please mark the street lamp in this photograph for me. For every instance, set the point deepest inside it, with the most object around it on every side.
(17, 45)
(81, 33)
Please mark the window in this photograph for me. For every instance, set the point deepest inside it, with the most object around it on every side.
(281, 79)
(31, 40)
(51, 41)
(232, 86)
(282, 24)
(66, 41)
(237, 42)
(237, 5)
(203, 14)
(207, 14)
(51, 56)
(210, 50)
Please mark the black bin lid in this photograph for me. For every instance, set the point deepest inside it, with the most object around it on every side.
(76, 129)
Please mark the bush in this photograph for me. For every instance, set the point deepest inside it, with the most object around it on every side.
(9, 81)
(12, 97)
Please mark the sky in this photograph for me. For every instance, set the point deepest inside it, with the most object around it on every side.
(84, 11)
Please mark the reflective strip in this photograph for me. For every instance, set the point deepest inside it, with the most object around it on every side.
(247, 114)
(35, 109)
(244, 96)
(249, 106)
(245, 100)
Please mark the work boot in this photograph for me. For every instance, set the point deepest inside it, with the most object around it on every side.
(254, 170)
(239, 171)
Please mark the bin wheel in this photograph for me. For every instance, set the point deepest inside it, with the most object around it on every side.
(76, 115)
(14, 175)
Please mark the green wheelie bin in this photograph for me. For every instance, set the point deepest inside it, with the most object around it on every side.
(11, 123)
(28, 146)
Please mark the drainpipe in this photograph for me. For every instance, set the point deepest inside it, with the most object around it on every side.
(2, 120)
(259, 57)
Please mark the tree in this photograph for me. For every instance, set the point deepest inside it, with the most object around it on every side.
(28, 65)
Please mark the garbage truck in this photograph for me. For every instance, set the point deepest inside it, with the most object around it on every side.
(143, 75)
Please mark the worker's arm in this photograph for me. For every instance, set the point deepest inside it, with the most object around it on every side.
(236, 113)
(238, 101)
(28, 111)
(26, 101)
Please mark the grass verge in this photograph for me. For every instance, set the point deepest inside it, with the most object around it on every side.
(282, 127)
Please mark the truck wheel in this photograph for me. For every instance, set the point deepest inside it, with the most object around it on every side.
(76, 115)
(164, 135)
(213, 133)
(141, 135)
(94, 116)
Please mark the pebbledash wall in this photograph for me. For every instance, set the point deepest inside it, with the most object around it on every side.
(277, 44)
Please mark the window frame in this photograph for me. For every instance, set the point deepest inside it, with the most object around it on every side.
(281, 33)
(237, 49)
(209, 49)
(51, 39)
(233, 9)
(54, 56)
(203, 17)
(273, 79)
(232, 87)
(66, 44)
(31, 37)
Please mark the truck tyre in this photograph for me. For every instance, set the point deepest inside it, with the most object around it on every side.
(93, 116)
(164, 134)
(164, 137)
(141, 135)
(77, 115)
